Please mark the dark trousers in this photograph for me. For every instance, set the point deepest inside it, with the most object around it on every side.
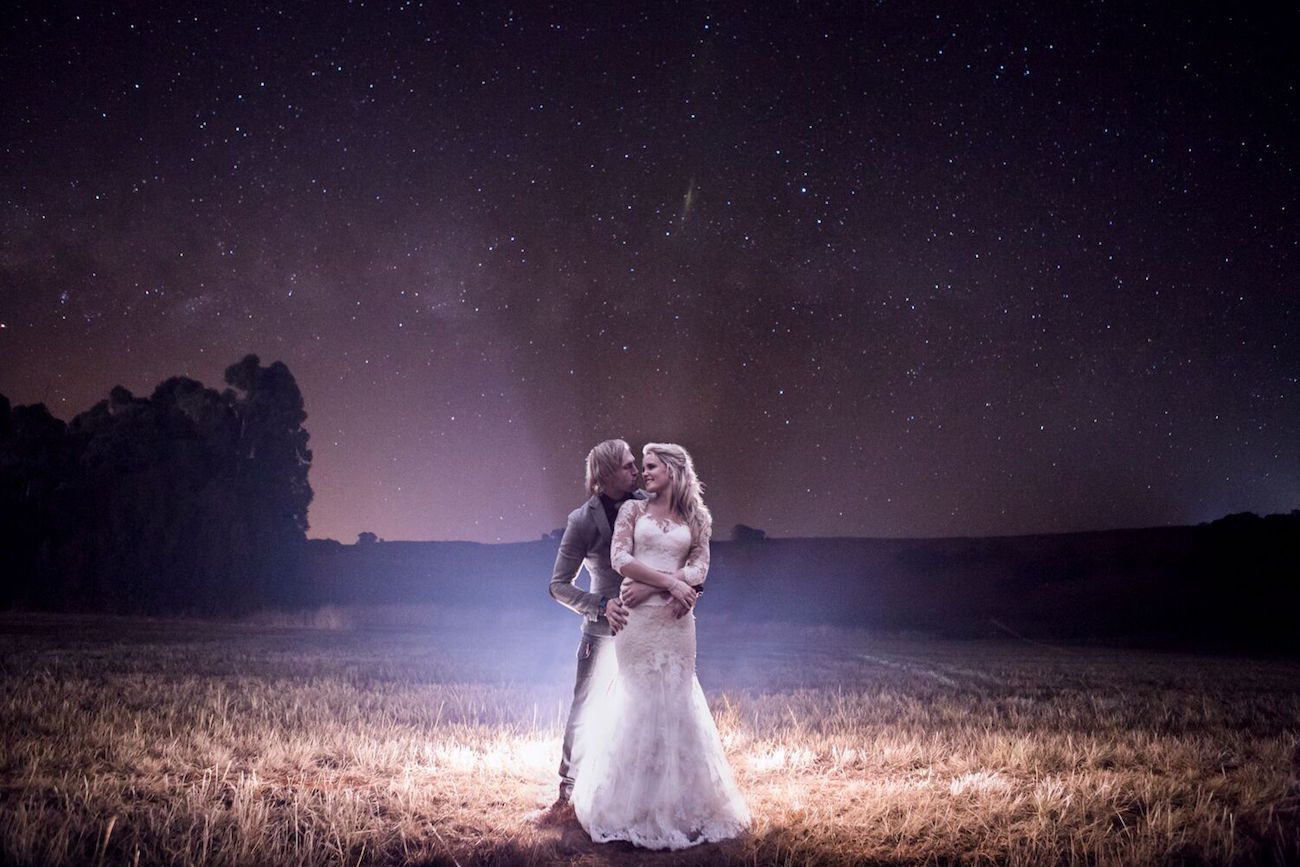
(589, 651)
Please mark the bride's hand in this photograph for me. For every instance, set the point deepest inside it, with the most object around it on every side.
(635, 593)
(683, 593)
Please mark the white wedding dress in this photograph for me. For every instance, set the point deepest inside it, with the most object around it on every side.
(651, 768)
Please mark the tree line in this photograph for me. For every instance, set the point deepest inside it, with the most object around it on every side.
(191, 500)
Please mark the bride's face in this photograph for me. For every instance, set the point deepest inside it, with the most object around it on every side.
(654, 475)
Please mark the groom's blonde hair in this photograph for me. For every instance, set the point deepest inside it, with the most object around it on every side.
(603, 461)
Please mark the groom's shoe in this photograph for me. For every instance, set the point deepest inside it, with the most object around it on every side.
(559, 813)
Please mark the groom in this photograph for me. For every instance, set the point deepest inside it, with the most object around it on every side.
(611, 478)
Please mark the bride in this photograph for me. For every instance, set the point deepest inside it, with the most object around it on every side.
(654, 772)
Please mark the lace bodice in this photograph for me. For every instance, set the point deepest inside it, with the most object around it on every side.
(665, 545)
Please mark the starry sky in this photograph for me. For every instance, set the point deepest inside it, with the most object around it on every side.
(886, 269)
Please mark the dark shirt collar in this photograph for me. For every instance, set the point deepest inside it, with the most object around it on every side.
(610, 501)
(611, 506)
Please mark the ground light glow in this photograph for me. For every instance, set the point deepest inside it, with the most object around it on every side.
(199, 743)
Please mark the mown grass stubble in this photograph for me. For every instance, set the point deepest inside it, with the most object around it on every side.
(185, 743)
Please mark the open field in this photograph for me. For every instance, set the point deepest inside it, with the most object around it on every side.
(435, 740)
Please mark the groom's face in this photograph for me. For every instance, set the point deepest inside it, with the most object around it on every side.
(624, 480)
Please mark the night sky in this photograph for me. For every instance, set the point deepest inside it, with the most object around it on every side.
(886, 269)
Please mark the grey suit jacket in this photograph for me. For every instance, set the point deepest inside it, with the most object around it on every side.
(586, 542)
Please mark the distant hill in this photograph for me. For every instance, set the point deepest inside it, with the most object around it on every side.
(1232, 583)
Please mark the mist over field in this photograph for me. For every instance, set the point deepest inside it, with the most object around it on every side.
(1225, 585)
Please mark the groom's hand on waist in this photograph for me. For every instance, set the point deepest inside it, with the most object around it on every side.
(615, 614)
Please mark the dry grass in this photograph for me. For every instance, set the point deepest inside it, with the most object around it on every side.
(180, 743)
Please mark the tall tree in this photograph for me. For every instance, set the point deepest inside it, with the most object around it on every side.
(273, 461)
(37, 489)
(190, 500)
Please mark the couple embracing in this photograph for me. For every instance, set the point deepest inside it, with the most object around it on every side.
(642, 758)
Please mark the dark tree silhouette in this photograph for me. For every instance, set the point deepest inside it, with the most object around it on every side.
(37, 478)
(190, 500)
(271, 470)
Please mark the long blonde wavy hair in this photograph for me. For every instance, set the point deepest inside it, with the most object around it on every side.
(685, 490)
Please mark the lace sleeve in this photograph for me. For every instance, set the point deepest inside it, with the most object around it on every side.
(623, 546)
(697, 560)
